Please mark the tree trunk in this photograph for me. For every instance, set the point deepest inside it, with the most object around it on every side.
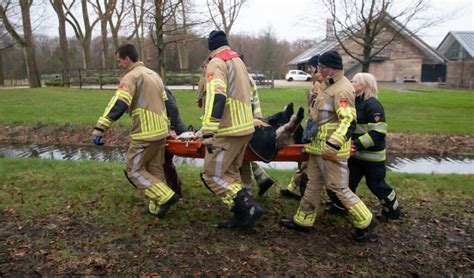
(160, 41)
(29, 49)
(105, 43)
(86, 40)
(2, 77)
(58, 7)
(182, 47)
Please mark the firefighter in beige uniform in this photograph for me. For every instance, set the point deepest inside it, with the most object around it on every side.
(142, 93)
(297, 185)
(334, 113)
(263, 179)
(227, 127)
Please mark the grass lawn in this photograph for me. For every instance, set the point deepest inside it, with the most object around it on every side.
(83, 218)
(437, 111)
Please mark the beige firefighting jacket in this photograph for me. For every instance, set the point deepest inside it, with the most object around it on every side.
(143, 91)
(334, 114)
(227, 80)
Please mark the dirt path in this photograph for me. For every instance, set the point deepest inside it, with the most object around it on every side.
(66, 135)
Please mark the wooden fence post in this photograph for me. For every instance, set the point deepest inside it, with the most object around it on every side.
(80, 79)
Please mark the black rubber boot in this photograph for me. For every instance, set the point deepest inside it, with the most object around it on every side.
(166, 206)
(288, 194)
(246, 212)
(385, 216)
(363, 234)
(332, 208)
(264, 186)
(291, 225)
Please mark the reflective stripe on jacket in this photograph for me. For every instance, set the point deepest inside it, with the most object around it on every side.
(334, 113)
(142, 90)
(227, 80)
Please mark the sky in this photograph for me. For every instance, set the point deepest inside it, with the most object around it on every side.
(301, 19)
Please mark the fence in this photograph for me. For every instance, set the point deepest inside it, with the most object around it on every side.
(109, 79)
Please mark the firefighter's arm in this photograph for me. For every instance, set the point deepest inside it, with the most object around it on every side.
(376, 128)
(173, 113)
(256, 108)
(216, 87)
(346, 113)
(117, 106)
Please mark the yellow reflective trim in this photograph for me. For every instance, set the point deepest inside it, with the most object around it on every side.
(374, 156)
(234, 129)
(105, 121)
(360, 215)
(366, 140)
(164, 95)
(110, 105)
(146, 135)
(380, 127)
(125, 95)
(303, 219)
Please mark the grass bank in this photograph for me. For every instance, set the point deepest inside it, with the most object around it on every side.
(437, 111)
(83, 218)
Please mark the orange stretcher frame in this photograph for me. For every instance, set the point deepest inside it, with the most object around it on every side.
(196, 149)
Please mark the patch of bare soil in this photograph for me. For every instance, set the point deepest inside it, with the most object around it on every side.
(423, 243)
(67, 135)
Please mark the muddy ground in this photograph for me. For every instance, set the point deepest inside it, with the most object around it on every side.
(397, 143)
(426, 242)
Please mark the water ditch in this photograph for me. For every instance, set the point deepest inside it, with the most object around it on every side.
(423, 164)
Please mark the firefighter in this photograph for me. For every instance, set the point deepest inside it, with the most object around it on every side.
(334, 114)
(142, 94)
(227, 127)
(249, 168)
(297, 185)
(368, 158)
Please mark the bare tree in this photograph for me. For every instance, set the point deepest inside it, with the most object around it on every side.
(163, 15)
(366, 24)
(5, 43)
(120, 12)
(26, 41)
(104, 11)
(182, 44)
(63, 44)
(139, 13)
(224, 13)
(83, 36)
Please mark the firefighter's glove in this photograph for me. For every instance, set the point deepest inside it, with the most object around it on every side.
(96, 139)
(186, 136)
(330, 151)
(258, 122)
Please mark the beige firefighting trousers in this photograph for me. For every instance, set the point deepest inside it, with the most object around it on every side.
(144, 168)
(335, 176)
(221, 172)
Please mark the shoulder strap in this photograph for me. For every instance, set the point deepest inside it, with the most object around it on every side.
(227, 54)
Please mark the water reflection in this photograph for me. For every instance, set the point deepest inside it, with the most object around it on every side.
(402, 164)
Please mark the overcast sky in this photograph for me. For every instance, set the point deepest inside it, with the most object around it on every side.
(303, 19)
(295, 19)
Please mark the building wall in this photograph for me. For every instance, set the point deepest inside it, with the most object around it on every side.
(404, 60)
(460, 74)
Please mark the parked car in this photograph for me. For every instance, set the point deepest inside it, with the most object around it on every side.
(256, 75)
(298, 75)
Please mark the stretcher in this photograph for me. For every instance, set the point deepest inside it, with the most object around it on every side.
(196, 149)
